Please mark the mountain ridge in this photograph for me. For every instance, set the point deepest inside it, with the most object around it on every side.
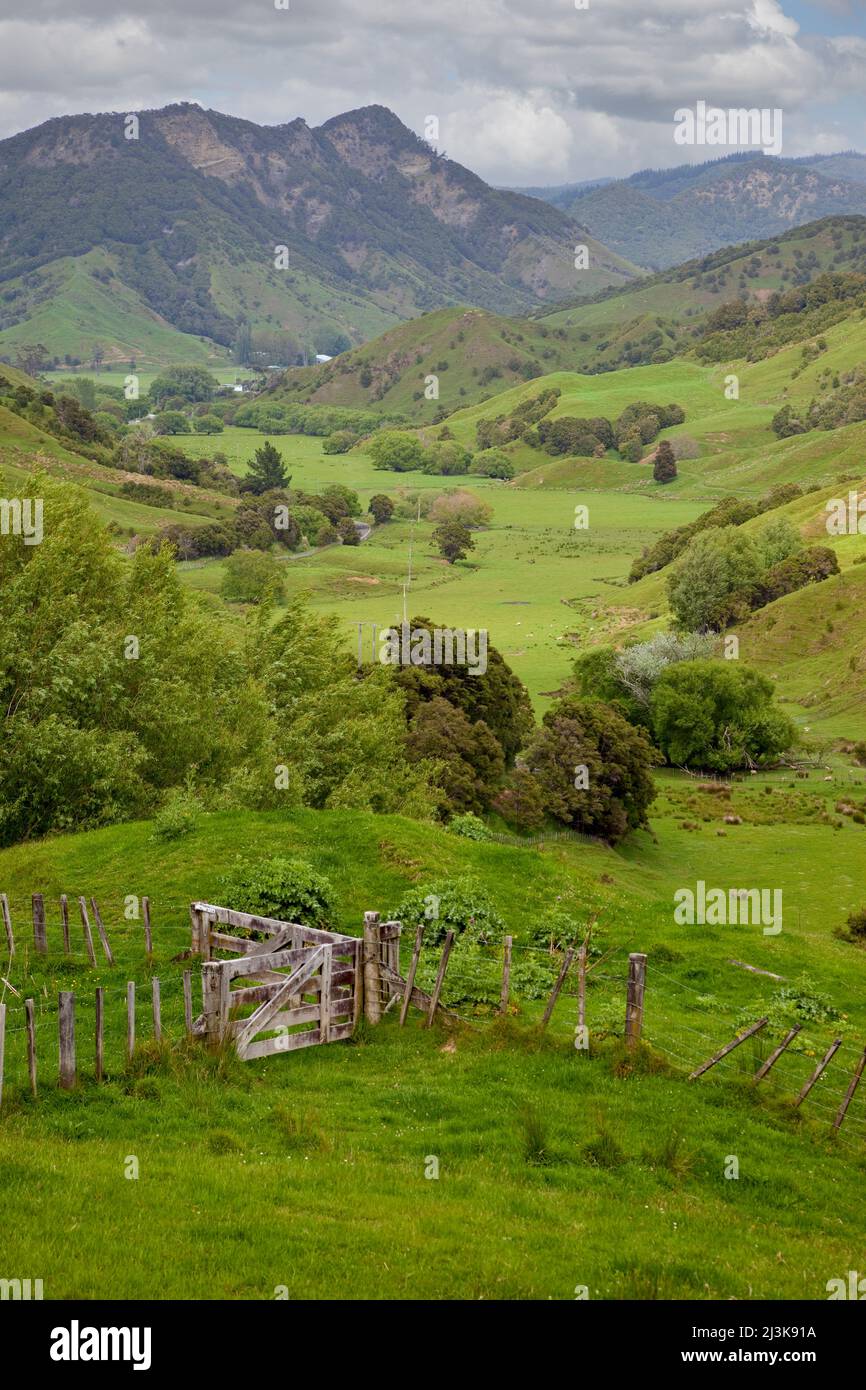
(377, 228)
(662, 217)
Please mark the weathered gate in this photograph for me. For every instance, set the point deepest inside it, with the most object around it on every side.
(291, 986)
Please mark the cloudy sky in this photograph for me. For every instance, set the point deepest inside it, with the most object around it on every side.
(526, 91)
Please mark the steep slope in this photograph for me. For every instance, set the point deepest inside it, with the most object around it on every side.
(661, 217)
(184, 222)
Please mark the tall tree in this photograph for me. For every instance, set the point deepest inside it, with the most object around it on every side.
(266, 472)
(454, 540)
(665, 466)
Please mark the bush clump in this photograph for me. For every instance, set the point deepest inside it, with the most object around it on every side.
(289, 889)
(177, 817)
(459, 905)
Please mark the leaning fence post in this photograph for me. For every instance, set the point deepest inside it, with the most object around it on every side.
(88, 935)
(30, 1025)
(776, 1053)
(413, 968)
(7, 923)
(148, 937)
(554, 995)
(66, 1026)
(634, 998)
(40, 940)
(372, 974)
(97, 917)
(849, 1094)
(440, 978)
(729, 1047)
(506, 975)
(821, 1067)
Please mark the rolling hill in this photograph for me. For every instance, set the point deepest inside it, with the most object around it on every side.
(474, 354)
(164, 247)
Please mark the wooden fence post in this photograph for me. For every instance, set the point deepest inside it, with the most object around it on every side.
(40, 940)
(200, 933)
(560, 981)
(410, 978)
(581, 987)
(130, 1020)
(148, 935)
(325, 994)
(2, 1048)
(66, 1027)
(7, 923)
(187, 1000)
(215, 1021)
(506, 975)
(849, 1094)
(97, 917)
(634, 998)
(821, 1067)
(728, 1047)
(64, 923)
(30, 1025)
(440, 978)
(776, 1053)
(358, 1011)
(88, 935)
(100, 1033)
(157, 1010)
(372, 974)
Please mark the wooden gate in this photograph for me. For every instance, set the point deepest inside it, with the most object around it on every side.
(290, 986)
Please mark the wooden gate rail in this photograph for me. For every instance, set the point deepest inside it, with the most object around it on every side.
(321, 986)
(205, 917)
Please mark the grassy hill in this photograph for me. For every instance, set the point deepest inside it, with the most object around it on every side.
(647, 321)
(658, 316)
(80, 303)
(473, 354)
(556, 1168)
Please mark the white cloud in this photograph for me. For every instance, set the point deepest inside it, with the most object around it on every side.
(526, 90)
(512, 135)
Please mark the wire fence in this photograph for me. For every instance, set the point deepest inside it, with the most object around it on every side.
(680, 1021)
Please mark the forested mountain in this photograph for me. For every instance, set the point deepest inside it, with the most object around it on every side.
(660, 217)
(122, 244)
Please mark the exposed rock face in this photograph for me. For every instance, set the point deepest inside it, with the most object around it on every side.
(379, 226)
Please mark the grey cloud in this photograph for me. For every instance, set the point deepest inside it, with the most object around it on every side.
(583, 92)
